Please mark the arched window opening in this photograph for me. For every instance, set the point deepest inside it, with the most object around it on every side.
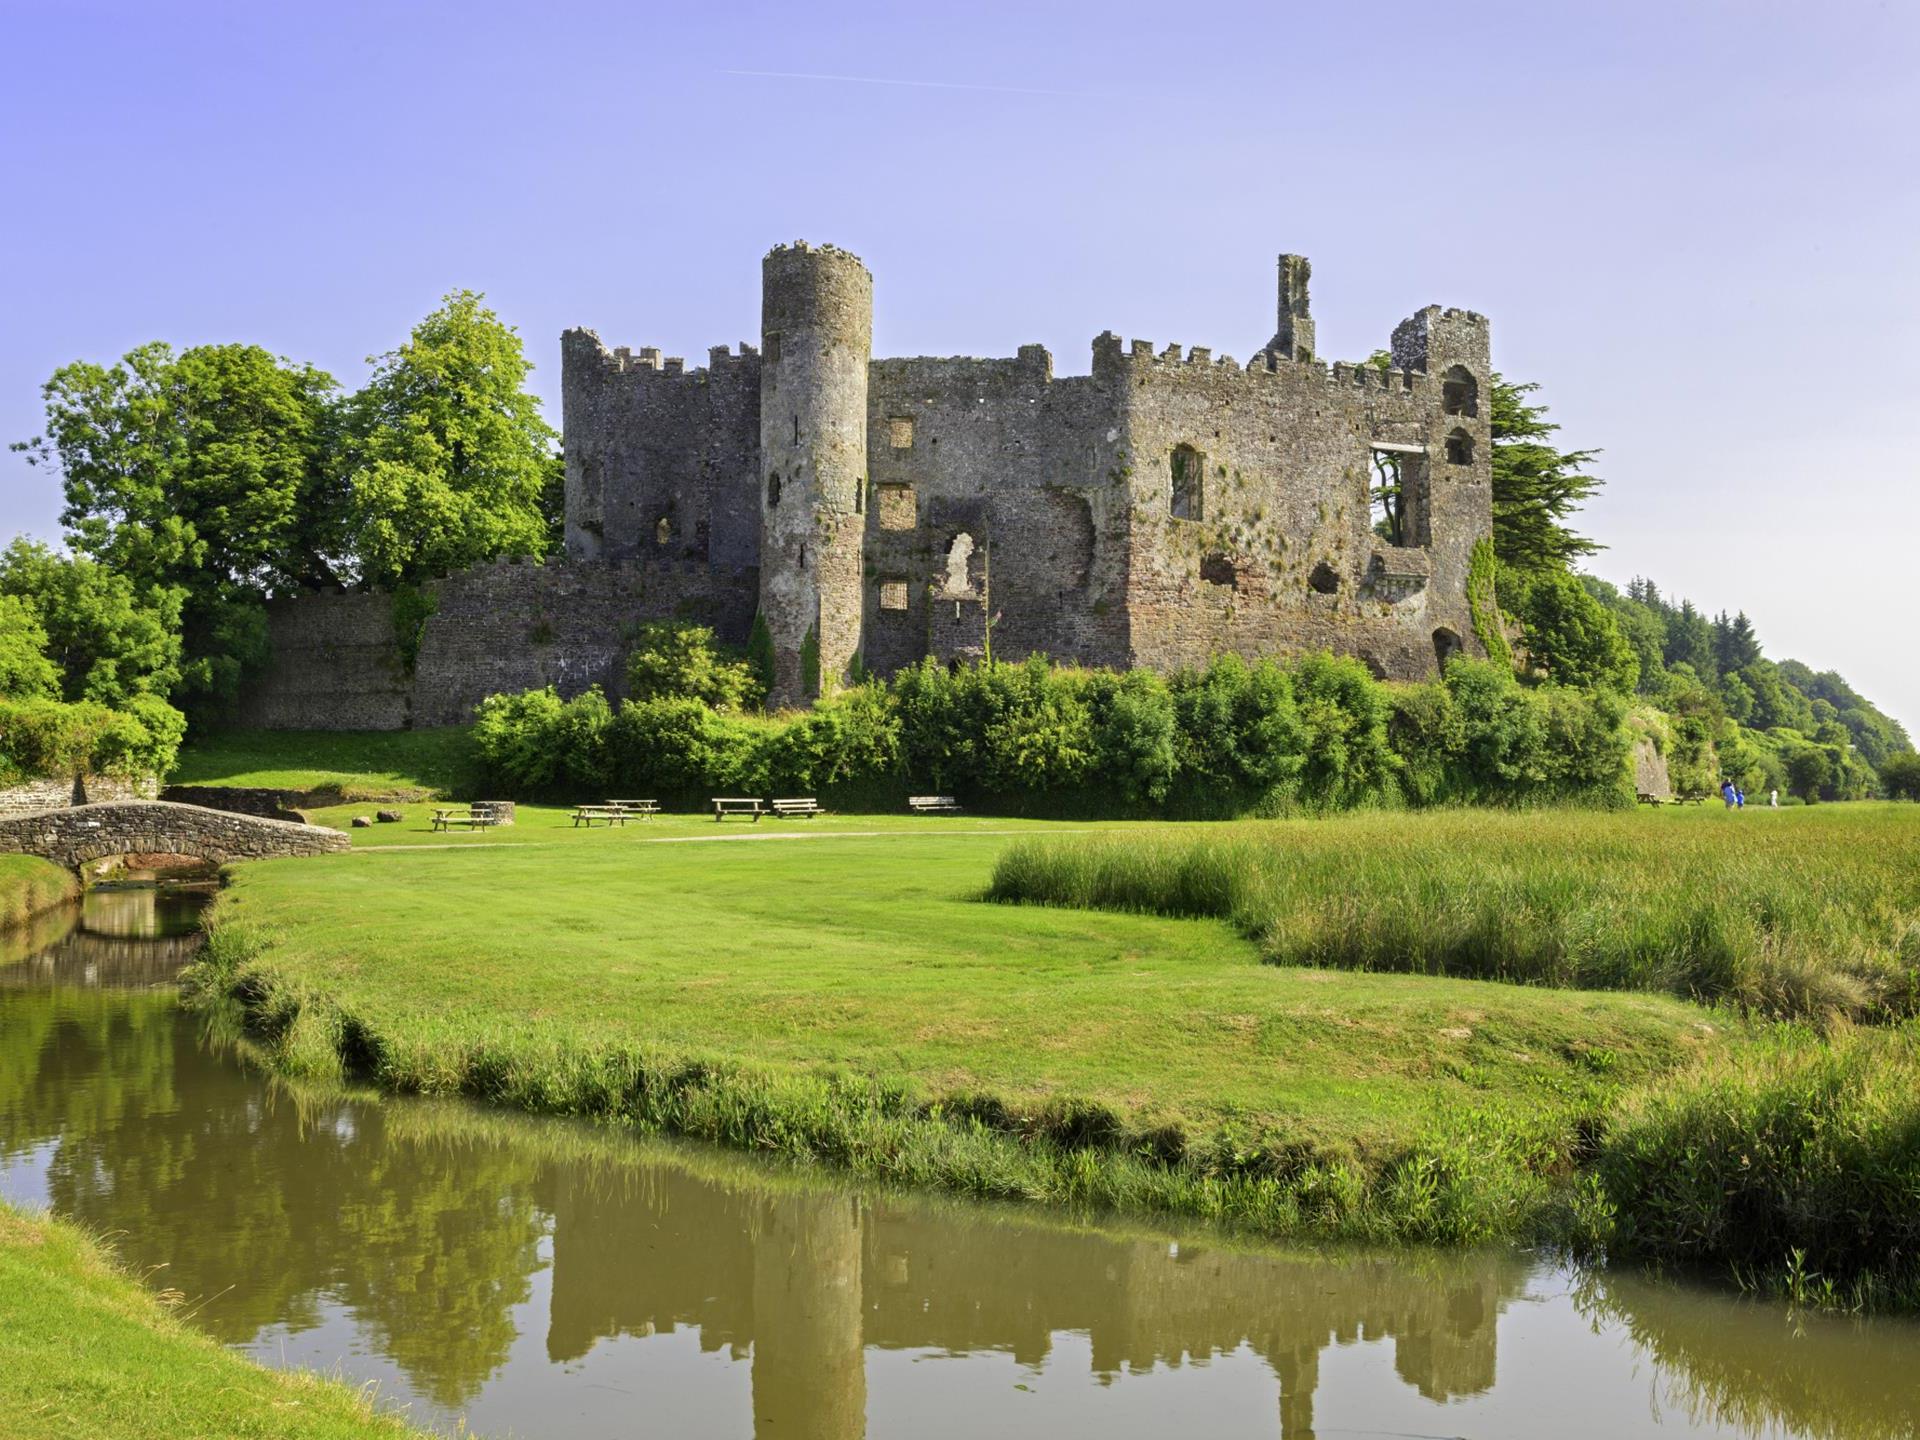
(773, 488)
(1460, 392)
(1325, 580)
(1189, 468)
(1217, 569)
(959, 556)
(860, 497)
(1459, 448)
(796, 429)
(1446, 645)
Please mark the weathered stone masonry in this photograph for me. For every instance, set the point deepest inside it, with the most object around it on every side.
(1166, 507)
(75, 835)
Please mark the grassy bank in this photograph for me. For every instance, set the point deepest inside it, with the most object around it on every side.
(29, 885)
(839, 996)
(1789, 913)
(1795, 1163)
(86, 1351)
(345, 765)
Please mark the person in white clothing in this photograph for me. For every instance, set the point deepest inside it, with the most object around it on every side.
(1773, 799)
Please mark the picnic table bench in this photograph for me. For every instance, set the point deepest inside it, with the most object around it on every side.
(725, 805)
(446, 817)
(1645, 799)
(645, 809)
(933, 804)
(587, 815)
(796, 809)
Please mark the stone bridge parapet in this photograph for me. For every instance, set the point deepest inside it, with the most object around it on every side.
(78, 834)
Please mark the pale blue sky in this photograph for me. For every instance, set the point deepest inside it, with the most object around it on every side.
(1695, 223)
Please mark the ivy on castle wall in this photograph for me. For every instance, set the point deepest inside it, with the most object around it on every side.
(1484, 602)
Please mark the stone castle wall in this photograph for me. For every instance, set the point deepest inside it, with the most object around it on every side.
(337, 662)
(1164, 508)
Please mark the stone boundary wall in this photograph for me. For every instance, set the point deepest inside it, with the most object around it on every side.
(80, 834)
(504, 627)
(33, 796)
(239, 800)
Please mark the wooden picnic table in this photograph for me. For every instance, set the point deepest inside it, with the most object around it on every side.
(645, 809)
(796, 809)
(725, 805)
(610, 814)
(445, 817)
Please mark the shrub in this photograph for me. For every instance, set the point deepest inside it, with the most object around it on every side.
(1240, 743)
(43, 738)
(1806, 1148)
(678, 660)
(1900, 776)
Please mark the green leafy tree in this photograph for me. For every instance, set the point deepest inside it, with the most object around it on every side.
(1536, 487)
(1570, 636)
(1809, 772)
(1900, 776)
(451, 462)
(204, 475)
(106, 640)
(25, 671)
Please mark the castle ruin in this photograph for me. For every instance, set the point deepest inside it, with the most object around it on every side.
(1166, 507)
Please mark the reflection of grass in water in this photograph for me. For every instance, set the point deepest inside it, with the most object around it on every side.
(29, 886)
(1757, 1368)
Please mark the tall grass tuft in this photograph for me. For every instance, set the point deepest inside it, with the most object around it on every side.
(1794, 1164)
(1789, 915)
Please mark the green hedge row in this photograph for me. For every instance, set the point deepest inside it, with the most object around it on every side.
(1235, 738)
(40, 738)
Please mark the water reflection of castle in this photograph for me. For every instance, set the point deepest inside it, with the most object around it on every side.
(811, 1281)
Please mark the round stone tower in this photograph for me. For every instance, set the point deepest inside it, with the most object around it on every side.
(816, 320)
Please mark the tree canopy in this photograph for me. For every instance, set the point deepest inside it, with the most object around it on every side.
(1536, 487)
(450, 461)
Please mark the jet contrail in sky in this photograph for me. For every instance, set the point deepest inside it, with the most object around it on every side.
(915, 84)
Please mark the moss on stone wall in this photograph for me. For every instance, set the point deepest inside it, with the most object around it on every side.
(1485, 602)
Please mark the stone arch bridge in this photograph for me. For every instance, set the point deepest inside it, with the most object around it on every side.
(81, 833)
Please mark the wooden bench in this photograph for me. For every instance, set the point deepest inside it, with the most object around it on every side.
(645, 809)
(447, 818)
(725, 805)
(933, 804)
(588, 815)
(795, 809)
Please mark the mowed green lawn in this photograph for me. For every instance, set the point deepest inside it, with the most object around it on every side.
(859, 944)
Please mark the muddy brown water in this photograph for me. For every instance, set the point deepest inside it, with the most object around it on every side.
(546, 1279)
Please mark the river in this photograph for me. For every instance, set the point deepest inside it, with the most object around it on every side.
(546, 1279)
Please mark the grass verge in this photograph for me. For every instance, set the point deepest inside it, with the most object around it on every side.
(86, 1351)
(333, 764)
(30, 885)
(1807, 912)
(844, 998)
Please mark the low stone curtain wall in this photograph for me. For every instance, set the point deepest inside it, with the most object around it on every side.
(79, 834)
(33, 796)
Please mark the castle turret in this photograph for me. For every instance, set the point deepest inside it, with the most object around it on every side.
(1293, 335)
(816, 319)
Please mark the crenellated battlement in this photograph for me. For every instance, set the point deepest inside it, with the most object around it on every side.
(1140, 357)
(585, 346)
